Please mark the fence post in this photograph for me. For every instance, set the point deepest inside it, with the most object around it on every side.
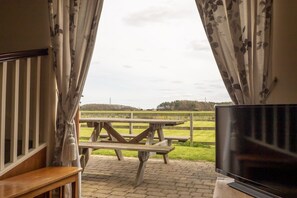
(131, 125)
(191, 129)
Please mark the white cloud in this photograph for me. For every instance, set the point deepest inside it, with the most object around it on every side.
(200, 46)
(127, 66)
(153, 15)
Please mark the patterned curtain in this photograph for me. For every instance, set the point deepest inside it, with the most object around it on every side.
(239, 33)
(73, 28)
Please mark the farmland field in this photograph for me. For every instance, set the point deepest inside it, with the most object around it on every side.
(202, 147)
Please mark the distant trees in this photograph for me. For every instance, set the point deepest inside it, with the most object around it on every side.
(107, 107)
(178, 105)
(188, 105)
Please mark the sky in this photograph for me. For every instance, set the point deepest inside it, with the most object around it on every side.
(152, 51)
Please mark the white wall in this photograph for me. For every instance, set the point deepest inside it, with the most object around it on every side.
(284, 54)
(24, 25)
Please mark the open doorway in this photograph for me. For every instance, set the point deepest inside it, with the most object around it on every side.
(151, 52)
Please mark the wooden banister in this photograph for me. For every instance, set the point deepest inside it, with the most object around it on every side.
(22, 54)
(20, 72)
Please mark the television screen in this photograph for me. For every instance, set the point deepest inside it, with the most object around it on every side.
(257, 146)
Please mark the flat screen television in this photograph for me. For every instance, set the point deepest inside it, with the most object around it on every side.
(257, 146)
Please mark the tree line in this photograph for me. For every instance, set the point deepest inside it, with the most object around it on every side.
(106, 107)
(177, 105)
(188, 105)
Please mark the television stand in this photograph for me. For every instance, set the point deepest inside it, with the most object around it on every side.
(251, 190)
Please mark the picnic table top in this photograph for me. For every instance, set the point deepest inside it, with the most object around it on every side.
(133, 120)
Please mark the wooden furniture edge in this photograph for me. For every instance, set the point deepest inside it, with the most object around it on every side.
(61, 177)
(54, 185)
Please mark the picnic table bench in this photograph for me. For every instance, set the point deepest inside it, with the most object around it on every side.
(120, 142)
(143, 152)
(169, 138)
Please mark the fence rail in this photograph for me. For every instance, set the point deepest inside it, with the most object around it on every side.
(203, 115)
(190, 117)
(166, 127)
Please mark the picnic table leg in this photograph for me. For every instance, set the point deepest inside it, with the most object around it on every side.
(119, 154)
(117, 151)
(150, 140)
(86, 152)
(96, 132)
(161, 138)
(143, 156)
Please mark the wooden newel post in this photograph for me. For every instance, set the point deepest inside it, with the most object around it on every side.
(191, 129)
(76, 120)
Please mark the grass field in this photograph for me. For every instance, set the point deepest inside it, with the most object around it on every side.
(203, 140)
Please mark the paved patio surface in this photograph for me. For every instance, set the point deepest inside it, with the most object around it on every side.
(105, 176)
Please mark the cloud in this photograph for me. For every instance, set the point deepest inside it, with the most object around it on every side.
(95, 62)
(177, 82)
(202, 46)
(127, 66)
(210, 86)
(216, 86)
(146, 60)
(187, 95)
(152, 15)
(157, 80)
(200, 85)
(166, 90)
(217, 83)
(163, 67)
(208, 90)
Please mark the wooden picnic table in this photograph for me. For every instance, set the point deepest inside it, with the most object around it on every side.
(119, 142)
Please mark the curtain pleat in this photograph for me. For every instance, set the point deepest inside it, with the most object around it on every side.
(73, 30)
(239, 33)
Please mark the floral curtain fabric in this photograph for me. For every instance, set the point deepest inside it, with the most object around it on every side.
(239, 33)
(73, 29)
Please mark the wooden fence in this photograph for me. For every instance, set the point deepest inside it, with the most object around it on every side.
(190, 117)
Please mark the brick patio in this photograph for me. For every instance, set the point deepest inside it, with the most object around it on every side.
(105, 176)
